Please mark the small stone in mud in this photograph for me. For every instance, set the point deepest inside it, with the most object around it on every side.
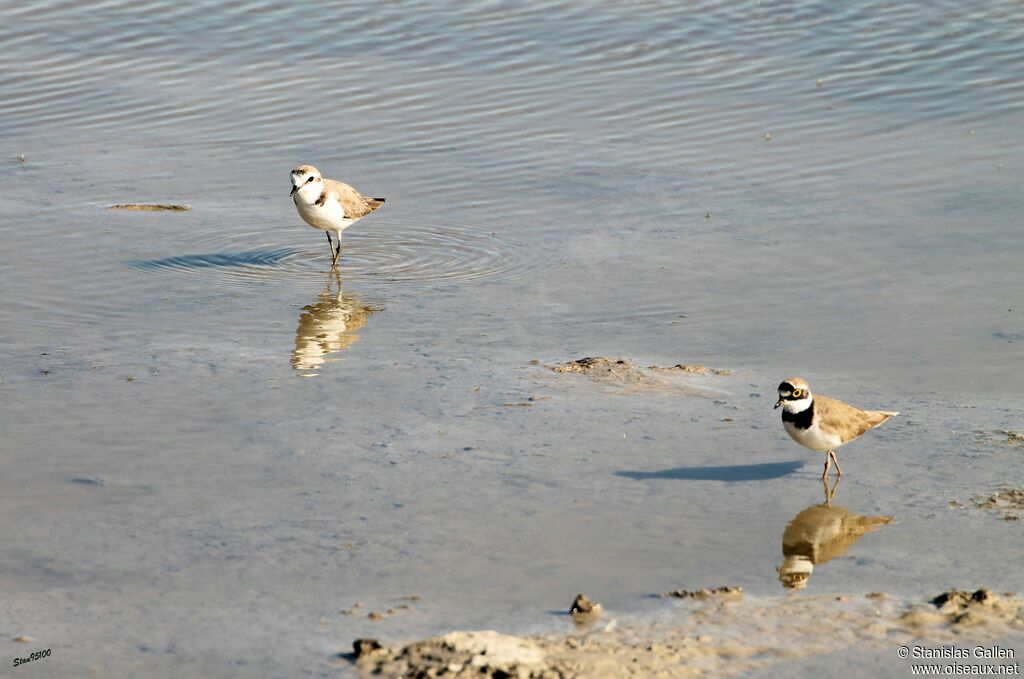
(581, 605)
(361, 647)
(23, 639)
(151, 207)
(374, 615)
(721, 593)
(877, 595)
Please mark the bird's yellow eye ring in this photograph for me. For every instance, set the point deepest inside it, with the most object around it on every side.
(797, 393)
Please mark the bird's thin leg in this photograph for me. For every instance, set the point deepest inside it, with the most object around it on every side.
(832, 454)
(334, 253)
(828, 463)
(828, 492)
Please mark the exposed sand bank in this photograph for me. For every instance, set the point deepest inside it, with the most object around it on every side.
(716, 633)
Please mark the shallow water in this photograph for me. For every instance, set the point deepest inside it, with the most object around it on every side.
(563, 179)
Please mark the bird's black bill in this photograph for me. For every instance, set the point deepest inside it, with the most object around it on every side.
(294, 189)
(777, 404)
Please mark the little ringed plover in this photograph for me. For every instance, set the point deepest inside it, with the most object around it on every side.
(822, 423)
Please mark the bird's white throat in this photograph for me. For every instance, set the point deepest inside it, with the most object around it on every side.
(310, 192)
(797, 406)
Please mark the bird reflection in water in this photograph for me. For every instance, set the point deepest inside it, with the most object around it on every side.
(819, 534)
(327, 326)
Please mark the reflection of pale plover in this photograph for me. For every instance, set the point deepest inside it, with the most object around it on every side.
(329, 205)
(822, 423)
(327, 326)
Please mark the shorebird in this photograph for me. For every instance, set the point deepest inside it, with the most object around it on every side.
(822, 423)
(329, 205)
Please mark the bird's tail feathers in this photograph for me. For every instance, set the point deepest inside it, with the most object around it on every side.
(882, 416)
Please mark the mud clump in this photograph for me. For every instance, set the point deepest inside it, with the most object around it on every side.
(361, 647)
(719, 594)
(1006, 500)
(963, 608)
(460, 654)
(599, 367)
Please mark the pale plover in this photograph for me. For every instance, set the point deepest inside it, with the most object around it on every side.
(329, 205)
(822, 423)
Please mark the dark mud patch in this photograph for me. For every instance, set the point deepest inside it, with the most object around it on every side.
(1009, 501)
(151, 207)
(1004, 437)
(704, 594)
(692, 369)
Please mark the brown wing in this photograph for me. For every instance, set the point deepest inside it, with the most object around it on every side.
(850, 422)
(355, 204)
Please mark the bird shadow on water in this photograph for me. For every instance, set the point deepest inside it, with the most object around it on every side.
(739, 472)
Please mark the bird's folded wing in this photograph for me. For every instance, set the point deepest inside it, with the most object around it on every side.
(355, 204)
(841, 417)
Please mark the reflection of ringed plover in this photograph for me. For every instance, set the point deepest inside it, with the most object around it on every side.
(329, 205)
(822, 423)
(819, 534)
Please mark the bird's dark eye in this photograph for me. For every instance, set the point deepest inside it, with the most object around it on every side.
(797, 393)
(310, 179)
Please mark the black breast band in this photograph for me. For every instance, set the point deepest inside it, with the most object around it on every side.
(802, 419)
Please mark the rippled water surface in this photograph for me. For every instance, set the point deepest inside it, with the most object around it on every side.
(775, 188)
